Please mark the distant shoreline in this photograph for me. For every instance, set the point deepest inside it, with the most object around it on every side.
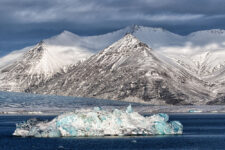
(190, 109)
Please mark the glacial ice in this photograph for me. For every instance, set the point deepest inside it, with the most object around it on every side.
(98, 122)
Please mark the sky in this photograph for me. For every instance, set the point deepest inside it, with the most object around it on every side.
(26, 22)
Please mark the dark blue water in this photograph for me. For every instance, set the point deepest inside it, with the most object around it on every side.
(201, 131)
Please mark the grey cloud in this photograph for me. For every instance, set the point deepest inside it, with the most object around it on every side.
(28, 21)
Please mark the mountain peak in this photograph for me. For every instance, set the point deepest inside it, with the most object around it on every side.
(41, 42)
(217, 31)
(66, 32)
(126, 46)
(128, 41)
(65, 35)
(133, 28)
(129, 36)
(211, 32)
(66, 38)
(136, 28)
(39, 47)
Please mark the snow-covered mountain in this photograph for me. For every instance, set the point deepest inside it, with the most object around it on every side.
(199, 55)
(127, 70)
(188, 51)
(13, 56)
(202, 53)
(38, 65)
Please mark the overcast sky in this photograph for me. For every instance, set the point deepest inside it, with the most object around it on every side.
(25, 22)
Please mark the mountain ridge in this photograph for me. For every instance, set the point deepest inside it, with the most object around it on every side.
(201, 64)
(127, 70)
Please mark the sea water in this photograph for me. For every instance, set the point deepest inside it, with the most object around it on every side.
(201, 131)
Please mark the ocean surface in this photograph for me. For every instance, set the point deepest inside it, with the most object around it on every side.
(201, 132)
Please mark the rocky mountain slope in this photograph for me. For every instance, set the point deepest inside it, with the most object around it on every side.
(38, 65)
(127, 70)
(191, 68)
(199, 52)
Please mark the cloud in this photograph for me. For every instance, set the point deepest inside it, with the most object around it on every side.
(160, 17)
(27, 21)
(33, 11)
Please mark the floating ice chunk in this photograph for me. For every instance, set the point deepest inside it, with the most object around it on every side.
(99, 122)
(129, 109)
(164, 116)
(195, 111)
(97, 108)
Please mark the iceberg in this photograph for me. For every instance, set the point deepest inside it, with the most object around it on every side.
(99, 122)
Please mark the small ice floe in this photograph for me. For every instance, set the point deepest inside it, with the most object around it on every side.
(195, 111)
(98, 122)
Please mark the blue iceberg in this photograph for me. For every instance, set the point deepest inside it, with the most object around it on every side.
(98, 122)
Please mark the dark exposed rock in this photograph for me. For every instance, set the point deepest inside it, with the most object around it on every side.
(126, 70)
